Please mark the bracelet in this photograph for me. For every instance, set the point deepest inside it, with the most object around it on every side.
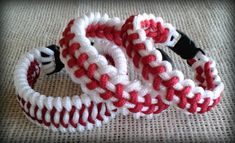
(93, 71)
(139, 31)
(163, 86)
(71, 114)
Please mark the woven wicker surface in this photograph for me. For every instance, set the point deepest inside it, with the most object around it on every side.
(26, 25)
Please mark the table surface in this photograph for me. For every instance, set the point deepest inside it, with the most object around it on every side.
(26, 25)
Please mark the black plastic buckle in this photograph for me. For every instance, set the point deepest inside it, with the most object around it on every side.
(59, 64)
(185, 47)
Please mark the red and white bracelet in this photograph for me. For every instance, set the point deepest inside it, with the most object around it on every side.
(71, 114)
(138, 36)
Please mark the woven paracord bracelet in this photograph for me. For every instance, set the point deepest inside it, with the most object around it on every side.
(137, 36)
(140, 32)
(71, 114)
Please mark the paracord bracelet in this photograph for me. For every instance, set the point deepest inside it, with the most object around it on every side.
(137, 36)
(59, 114)
(140, 32)
(90, 69)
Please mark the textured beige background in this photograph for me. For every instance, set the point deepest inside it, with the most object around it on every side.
(25, 25)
